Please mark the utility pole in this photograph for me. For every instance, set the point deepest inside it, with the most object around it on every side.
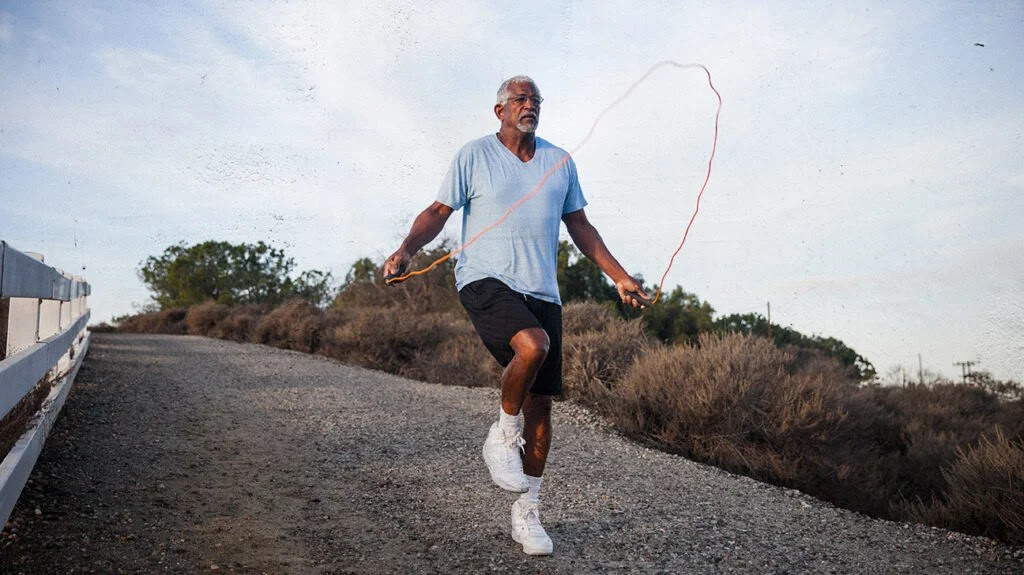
(965, 367)
(770, 320)
(920, 371)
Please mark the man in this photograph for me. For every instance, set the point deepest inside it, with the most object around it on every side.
(507, 282)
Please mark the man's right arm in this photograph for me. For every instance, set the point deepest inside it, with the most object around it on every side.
(425, 228)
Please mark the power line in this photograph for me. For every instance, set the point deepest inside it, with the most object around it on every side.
(965, 367)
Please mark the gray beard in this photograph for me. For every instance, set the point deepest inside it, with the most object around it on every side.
(527, 128)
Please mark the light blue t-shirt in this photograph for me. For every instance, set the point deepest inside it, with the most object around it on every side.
(484, 180)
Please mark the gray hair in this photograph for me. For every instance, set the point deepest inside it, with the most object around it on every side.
(504, 92)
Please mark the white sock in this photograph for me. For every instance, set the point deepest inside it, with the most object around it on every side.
(508, 423)
(533, 495)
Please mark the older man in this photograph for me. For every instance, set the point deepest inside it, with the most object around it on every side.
(507, 282)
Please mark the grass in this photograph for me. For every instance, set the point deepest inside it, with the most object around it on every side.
(946, 455)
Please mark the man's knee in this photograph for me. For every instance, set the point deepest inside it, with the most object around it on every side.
(531, 344)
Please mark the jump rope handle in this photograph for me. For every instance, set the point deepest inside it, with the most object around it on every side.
(392, 279)
(641, 299)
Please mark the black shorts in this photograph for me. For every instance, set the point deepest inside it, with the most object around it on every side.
(498, 313)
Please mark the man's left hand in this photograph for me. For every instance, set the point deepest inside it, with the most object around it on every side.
(629, 289)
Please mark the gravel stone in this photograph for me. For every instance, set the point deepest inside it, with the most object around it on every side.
(183, 454)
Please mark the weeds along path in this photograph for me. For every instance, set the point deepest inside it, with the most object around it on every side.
(186, 455)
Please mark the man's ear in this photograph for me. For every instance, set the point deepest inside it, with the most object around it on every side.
(498, 109)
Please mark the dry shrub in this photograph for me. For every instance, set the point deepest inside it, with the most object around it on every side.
(966, 411)
(935, 422)
(240, 322)
(593, 361)
(295, 324)
(389, 339)
(984, 493)
(737, 402)
(167, 321)
(336, 317)
(460, 360)
(705, 401)
(203, 317)
(581, 317)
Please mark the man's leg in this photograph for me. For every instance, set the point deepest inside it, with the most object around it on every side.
(526, 527)
(504, 443)
(531, 348)
(537, 433)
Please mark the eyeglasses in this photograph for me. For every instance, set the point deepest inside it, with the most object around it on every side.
(522, 98)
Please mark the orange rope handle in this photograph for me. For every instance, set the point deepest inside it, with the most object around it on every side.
(565, 159)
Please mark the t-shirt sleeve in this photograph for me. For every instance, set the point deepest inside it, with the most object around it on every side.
(574, 200)
(455, 187)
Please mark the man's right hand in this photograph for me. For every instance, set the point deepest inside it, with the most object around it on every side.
(424, 229)
(396, 264)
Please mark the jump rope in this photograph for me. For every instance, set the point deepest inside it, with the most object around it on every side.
(400, 277)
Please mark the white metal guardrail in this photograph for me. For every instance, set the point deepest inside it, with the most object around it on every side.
(43, 338)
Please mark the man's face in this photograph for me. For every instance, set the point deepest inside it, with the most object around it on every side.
(522, 108)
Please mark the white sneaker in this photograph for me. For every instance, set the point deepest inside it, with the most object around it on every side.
(502, 456)
(527, 530)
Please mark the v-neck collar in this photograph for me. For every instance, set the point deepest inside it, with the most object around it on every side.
(519, 161)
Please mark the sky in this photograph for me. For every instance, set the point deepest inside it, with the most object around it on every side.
(868, 183)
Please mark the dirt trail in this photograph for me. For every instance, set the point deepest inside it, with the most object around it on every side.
(186, 455)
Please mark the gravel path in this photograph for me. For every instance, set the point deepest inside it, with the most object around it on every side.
(185, 455)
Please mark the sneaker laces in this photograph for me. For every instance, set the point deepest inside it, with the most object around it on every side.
(514, 440)
(517, 441)
(531, 519)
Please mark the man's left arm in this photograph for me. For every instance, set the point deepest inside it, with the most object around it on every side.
(589, 241)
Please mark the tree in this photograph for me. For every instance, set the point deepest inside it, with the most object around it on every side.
(749, 323)
(314, 286)
(756, 324)
(678, 317)
(579, 278)
(362, 271)
(229, 274)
